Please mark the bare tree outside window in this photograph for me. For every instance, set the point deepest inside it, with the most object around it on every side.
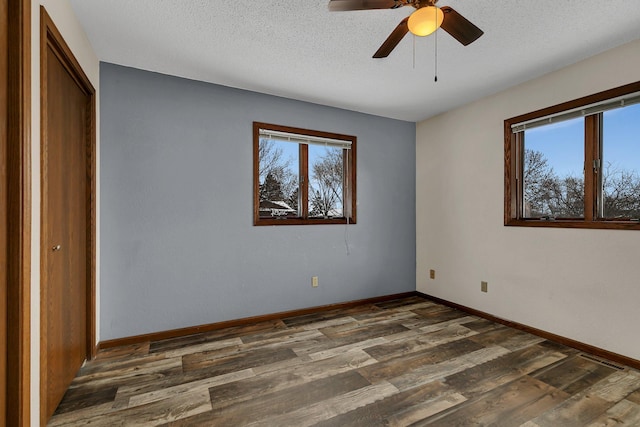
(278, 181)
(621, 189)
(326, 184)
(547, 194)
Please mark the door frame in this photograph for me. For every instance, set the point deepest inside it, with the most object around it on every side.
(4, 234)
(50, 37)
(18, 205)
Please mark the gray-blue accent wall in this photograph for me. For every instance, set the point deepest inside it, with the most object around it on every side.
(177, 243)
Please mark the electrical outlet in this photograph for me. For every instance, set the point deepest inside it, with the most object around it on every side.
(432, 274)
(484, 286)
(314, 281)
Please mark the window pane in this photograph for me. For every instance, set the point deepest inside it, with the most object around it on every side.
(621, 163)
(326, 180)
(553, 172)
(279, 178)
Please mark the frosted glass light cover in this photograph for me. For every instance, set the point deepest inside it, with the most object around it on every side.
(425, 20)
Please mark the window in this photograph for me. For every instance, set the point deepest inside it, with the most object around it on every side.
(576, 164)
(552, 170)
(302, 176)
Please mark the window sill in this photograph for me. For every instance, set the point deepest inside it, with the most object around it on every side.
(560, 223)
(301, 221)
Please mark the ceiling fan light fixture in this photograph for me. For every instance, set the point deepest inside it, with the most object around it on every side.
(425, 20)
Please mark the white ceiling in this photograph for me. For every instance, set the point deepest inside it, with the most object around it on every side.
(298, 49)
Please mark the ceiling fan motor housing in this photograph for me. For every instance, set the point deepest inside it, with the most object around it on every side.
(418, 4)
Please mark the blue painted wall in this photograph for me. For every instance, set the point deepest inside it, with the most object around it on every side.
(178, 247)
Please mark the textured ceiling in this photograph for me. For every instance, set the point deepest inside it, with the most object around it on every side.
(298, 49)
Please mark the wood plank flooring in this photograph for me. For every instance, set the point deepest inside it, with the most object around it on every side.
(407, 362)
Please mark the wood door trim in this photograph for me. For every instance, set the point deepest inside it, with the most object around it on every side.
(19, 214)
(50, 37)
(4, 85)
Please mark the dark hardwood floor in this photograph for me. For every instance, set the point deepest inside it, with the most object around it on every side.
(398, 363)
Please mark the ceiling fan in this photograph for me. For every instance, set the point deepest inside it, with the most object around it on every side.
(423, 21)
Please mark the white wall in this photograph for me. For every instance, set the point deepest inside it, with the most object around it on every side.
(62, 15)
(581, 284)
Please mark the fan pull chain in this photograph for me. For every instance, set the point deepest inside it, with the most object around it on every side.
(414, 52)
(435, 78)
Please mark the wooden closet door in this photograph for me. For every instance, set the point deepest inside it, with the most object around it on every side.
(66, 246)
